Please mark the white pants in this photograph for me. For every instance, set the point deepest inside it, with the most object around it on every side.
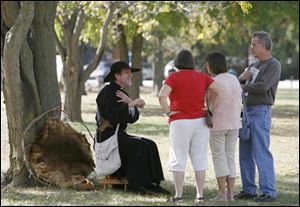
(222, 146)
(188, 136)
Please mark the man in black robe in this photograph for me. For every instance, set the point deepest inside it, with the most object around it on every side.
(140, 161)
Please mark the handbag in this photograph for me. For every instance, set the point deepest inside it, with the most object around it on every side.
(244, 132)
(209, 115)
(107, 155)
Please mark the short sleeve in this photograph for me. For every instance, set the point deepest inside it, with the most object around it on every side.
(170, 81)
(209, 80)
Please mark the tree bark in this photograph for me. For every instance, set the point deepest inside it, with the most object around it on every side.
(44, 54)
(72, 64)
(30, 83)
(13, 88)
(122, 44)
(158, 69)
(137, 62)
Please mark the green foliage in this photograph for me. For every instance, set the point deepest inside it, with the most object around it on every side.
(245, 6)
(152, 18)
(203, 26)
(280, 19)
(170, 23)
(95, 12)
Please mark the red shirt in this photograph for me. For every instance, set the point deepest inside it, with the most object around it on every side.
(188, 93)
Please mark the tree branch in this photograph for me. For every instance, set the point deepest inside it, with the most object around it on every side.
(102, 42)
(80, 20)
(14, 40)
(60, 48)
(120, 10)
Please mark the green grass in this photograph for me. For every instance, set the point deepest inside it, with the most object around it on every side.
(284, 147)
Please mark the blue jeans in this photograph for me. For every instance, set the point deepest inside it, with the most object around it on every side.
(255, 151)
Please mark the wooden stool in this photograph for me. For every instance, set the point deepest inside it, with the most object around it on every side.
(113, 181)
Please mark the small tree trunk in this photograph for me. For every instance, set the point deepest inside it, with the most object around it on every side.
(158, 69)
(73, 74)
(72, 101)
(73, 68)
(137, 62)
(122, 44)
(73, 90)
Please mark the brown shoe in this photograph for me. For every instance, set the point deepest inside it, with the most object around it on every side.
(84, 185)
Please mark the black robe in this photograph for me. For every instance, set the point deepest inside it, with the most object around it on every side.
(140, 161)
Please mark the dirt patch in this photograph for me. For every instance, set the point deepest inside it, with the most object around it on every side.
(60, 154)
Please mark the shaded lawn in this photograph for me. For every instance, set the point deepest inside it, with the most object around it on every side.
(284, 146)
(288, 186)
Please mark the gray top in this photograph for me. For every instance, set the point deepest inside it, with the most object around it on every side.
(263, 90)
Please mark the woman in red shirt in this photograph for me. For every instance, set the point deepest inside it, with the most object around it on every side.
(189, 133)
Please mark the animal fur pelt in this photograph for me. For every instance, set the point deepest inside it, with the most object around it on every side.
(60, 155)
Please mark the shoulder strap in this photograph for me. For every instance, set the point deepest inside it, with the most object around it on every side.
(244, 106)
(97, 116)
(117, 129)
(206, 99)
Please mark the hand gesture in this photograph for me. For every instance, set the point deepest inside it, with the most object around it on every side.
(140, 103)
(124, 98)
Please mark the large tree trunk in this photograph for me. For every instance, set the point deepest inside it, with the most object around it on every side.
(30, 85)
(137, 62)
(158, 69)
(44, 54)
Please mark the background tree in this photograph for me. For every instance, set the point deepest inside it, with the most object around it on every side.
(234, 36)
(127, 31)
(30, 80)
(130, 32)
(167, 20)
(71, 21)
(177, 25)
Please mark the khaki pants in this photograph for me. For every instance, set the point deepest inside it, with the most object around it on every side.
(222, 145)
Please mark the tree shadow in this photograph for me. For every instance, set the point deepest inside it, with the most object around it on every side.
(151, 111)
(287, 186)
(156, 130)
(285, 111)
(90, 110)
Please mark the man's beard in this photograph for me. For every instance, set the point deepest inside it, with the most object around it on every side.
(129, 82)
